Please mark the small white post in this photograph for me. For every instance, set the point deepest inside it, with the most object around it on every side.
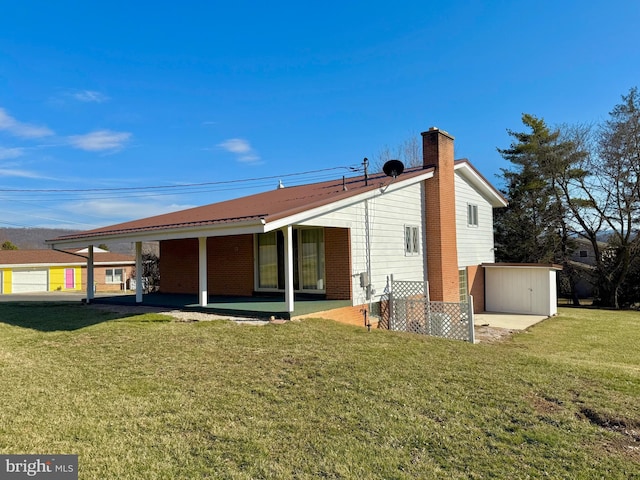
(202, 271)
(90, 275)
(288, 268)
(472, 331)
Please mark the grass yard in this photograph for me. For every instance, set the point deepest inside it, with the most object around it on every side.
(146, 397)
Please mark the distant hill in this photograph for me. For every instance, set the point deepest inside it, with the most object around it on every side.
(34, 238)
(30, 238)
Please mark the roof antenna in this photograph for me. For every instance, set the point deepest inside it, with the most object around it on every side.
(344, 185)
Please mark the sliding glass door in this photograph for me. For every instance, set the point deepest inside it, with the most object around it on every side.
(308, 260)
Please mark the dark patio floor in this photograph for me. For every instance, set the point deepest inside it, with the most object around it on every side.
(252, 307)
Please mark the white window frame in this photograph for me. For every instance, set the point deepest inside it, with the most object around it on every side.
(110, 279)
(411, 240)
(472, 215)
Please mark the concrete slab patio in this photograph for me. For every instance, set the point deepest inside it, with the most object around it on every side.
(510, 321)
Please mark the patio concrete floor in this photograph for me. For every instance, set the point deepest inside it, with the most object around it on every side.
(511, 321)
(251, 307)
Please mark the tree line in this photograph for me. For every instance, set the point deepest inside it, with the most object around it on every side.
(577, 183)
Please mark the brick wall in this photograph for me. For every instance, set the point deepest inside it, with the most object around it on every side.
(442, 254)
(229, 265)
(337, 244)
(475, 279)
(179, 266)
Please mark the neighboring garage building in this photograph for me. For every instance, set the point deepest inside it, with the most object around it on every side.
(27, 271)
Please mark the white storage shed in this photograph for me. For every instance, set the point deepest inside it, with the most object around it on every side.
(523, 288)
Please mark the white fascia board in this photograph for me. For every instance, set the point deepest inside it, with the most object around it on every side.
(109, 264)
(330, 207)
(175, 233)
(480, 184)
(41, 265)
(65, 264)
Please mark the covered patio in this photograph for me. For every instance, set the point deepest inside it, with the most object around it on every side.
(259, 307)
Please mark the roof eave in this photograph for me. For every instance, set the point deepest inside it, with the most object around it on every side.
(492, 194)
(157, 234)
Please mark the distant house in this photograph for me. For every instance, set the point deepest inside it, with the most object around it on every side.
(340, 239)
(25, 271)
(581, 277)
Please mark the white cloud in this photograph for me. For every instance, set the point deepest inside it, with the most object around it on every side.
(6, 153)
(236, 145)
(16, 172)
(100, 140)
(117, 210)
(90, 96)
(19, 129)
(242, 149)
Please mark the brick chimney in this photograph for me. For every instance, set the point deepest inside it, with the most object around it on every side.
(440, 208)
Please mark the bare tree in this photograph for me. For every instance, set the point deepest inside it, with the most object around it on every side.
(600, 190)
(408, 152)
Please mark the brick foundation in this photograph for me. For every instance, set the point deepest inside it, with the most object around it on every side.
(349, 315)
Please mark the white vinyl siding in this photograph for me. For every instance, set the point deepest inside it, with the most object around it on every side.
(475, 244)
(388, 214)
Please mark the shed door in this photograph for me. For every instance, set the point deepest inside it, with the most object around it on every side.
(29, 281)
(517, 290)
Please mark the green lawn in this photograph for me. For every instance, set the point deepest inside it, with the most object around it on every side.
(146, 397)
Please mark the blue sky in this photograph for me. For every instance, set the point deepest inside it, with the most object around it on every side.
(122, 95)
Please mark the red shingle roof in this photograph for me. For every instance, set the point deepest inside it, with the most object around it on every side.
(268, 206)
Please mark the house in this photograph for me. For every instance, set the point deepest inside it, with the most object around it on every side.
(579, 278)
(337, 240)
(23, 271)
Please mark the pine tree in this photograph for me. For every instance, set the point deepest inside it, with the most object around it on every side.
(532, 229)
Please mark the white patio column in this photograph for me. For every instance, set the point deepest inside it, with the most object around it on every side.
(202, 271)
(90, 276)
(139, 272)
(288, 268)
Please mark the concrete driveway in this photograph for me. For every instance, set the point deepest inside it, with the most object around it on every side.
(511, 321)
